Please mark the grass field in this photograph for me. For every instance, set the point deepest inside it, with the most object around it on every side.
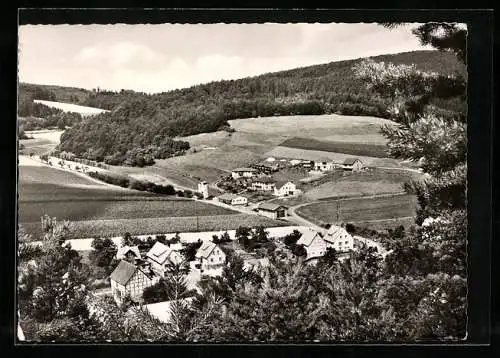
(372, 182)
(363, 149)
(110, 228)
(67, 196)
(295, 153)
(359, 209)
(327, 127)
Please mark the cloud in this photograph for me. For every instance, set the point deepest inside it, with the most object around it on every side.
(123, 54)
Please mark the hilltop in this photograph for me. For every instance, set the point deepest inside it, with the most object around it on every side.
(320, 89)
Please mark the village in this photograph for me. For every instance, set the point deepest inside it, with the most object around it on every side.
(138, 270)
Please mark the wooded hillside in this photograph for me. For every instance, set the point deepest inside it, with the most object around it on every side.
(140, 125)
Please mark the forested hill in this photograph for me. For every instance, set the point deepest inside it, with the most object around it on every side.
(140, 124)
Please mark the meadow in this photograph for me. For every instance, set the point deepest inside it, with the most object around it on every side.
(213, 155)
(359, 209)
(362, 149)
(372, 182)
(152, 226)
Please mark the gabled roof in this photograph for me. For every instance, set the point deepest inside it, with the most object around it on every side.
(270, 206)
(336, 233)
(205, 249)
(123, 272)
(159, 252)
(350, 161)
(244, 170)
(280, 183)
(307, 238)
(264, 180)
(228, 196)
(323, 160)
(122, 251)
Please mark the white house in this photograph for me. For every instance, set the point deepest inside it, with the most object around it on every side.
(203, 189)
(243, 173)
(129, 253)
(338, 238)
(232, 199)
(323, 165)
(273, 211)
(354, 164)
(160, 256)
(285, 188)
(263, 184)
(314, 244)
(130, 280)
(209, 255)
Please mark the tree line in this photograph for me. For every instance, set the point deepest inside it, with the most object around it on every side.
(141, 127)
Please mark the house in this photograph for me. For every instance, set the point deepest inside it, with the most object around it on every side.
(354, 164)
(160, 256)
(270, 159)
(129, 253)
(209, 256)
(255, 264)
(268, 167)
(285, 188)
(314, 244)
(273, 211)
(263, 184)
(295, 162)
(232, 199)
(338, 238)
(203, 189)
(323, 165)
(161, 310)
(130, 280)
(243, 173)
(307, 164)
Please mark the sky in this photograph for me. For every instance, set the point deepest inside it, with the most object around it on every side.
(158, 58)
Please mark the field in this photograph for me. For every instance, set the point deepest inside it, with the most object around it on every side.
(363, 149)
(68, 196)
(372, 182)
(327, 127)
(359, 209)
(295, 153)
(111, 228)
(69, 107)
(213, 155)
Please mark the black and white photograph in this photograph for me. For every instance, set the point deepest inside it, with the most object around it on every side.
(242, 183)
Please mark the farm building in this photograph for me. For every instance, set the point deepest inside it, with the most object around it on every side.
(160, 256)
(203, 189)
(285, 188)
(270, 159)
(263, 184)
(268, 167)
(232, 199)
(323, 165)
(296, 162)
(209, 256)
(354, 164)
(273, 211)
(243, 173)
(314, 243)
(130, 280)
(129, 253)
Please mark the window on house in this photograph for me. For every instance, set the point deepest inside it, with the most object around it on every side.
(211, 259)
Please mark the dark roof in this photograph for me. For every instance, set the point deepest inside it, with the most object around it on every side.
(270, 206)
(264, 180)
(280, 183)
(123, 272)
(244, 170)
(227, 196)
(350, 161)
